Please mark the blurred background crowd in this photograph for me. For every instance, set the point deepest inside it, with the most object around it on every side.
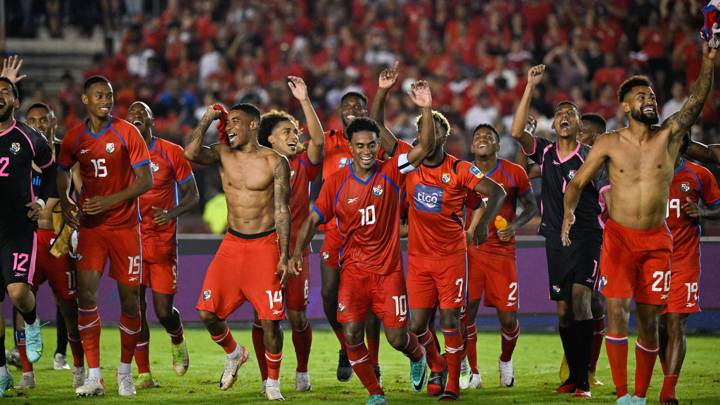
(181, 55)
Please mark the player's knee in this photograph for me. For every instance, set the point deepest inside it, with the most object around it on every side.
(329, 293)
(163, 313)
(397, 340)
(449, 320)
(208, 318)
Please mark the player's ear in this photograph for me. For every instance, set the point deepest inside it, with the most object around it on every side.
(254, 124)
(625, 107)
(84, 99)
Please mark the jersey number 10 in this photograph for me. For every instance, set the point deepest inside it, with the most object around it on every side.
(367, 215)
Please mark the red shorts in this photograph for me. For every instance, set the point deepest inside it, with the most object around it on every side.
(332, 244)
(121, 245)
(297, 289)
(244, 269)
(431, 280)
(361, 291)
(684, 278)
(58, 271)
(493, 277)
(159, 263)
(635, 263)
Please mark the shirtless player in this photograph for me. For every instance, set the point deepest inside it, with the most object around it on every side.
(637, 245)
(256, 182)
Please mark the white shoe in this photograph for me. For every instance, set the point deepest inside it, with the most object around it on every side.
(60, 362)
(229, 375)
(302, 382)
(475, 381)
(272, 390)
(126, 388)
(78, 378)
(262, 390)
(27, 381)
(465, 374)
(507, 375)
(91, 387)
(180, 358)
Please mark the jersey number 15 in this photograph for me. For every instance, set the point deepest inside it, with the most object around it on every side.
(100, 168)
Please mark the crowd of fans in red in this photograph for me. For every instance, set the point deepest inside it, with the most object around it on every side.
(474, 54)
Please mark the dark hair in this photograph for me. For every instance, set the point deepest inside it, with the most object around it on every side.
(361, 124)
(93, 80)
(354, 94)
(596, 119)
(488, 127)
(13, 87)
(629, 83)
(268, 122)
(248, 109)
(40, 105)
(566, 102)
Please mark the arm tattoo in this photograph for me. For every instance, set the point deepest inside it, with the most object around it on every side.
(200, 154)
(282, 205)
(696, 99)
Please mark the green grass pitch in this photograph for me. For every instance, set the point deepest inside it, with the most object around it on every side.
(536, 361)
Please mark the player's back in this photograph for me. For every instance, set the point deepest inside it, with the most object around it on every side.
(436, 201)
(106, 160)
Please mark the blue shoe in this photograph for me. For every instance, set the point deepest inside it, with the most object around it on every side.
(418, 370)
(624, 400)
(6, 382)
(376, 400)
(638, 400)
(33, 341)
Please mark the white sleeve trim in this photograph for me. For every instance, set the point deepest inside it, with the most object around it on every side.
(404, 165)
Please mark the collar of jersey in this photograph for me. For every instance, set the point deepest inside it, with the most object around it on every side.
(14, 123)
(682, 166)
(153, 140)
(101, 132)
(358, 179)
(497, 164)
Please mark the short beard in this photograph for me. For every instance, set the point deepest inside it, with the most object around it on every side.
(639, 116)
(8, 114)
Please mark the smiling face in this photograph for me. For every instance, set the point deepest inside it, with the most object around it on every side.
(484, 143)
(140, 115)
(566, 121)
(640, 102)
(352, 107)
(8, 102)
(240, 128)
(43, 121)
(285, 138)
(364, 146)
(99, 100)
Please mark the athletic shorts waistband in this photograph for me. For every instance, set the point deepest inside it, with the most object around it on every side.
(614, 226)
(251, 235)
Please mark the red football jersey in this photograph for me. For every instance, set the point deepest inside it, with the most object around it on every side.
(697, 183)
(337, 153)
(516, 183)
(367, 214)
(436, 196)
(106, 161)
(169, 169)
(302, 173)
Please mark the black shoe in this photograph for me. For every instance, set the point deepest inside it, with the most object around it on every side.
(344, 369)
(449, 396)
(436, 383)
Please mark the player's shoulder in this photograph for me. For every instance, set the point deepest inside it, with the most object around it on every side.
(124, 128)
(169, 146)
(510, 166)
(271, 156)
(75, 131)
(28, 130)
(698, 169)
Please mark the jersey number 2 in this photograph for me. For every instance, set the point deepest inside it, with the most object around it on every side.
(4, 162)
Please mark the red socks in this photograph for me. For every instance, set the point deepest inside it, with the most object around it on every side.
(129, 332)
(177, 336)
(360, 361)
(668, 388)
(598, 335)
(259, 347)
(373, 346)
(22, 351)
(273, 361)
(142, 356)
(508, 341)
(644, 363)
(471, 347)
(77, 351)
(617, 351)
(226, 341)
(302, 340)
(435, 360)
(413, 349)
(90, 326)
(454, 352)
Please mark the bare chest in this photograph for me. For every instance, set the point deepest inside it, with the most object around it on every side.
(243, 173)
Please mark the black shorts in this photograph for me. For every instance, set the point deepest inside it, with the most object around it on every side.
(17, 257)
(575, 264)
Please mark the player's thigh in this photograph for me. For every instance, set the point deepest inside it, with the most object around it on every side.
(62, 277)
(125, 260)
(221, 292)
(19, 257)
(263, 288)
(390, 300)
(477, 276)
(93, 249)
(451, 281)
(618, 265)
(422, 291)
(653, 278)
(354, 296)
(502, 287)
(559, 274)
(683, 296)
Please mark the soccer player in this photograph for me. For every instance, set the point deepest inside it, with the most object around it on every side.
(365, 199)
(593, 125)
(20, 148)
(281, 132)
(174, 192)
(337, 156)
(492, 271)
(436, 242)
(252, 261)
(637, 245)
(115, 171)
(572, 270)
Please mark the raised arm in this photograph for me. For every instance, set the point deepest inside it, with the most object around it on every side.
(317, 137)
(11, 69)
(595, 160)
(690, 111)
(281, 176)
(195, 151)
(495, 196)
(703, 153)
(388, 78)
(421, 96)
(520, 121)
